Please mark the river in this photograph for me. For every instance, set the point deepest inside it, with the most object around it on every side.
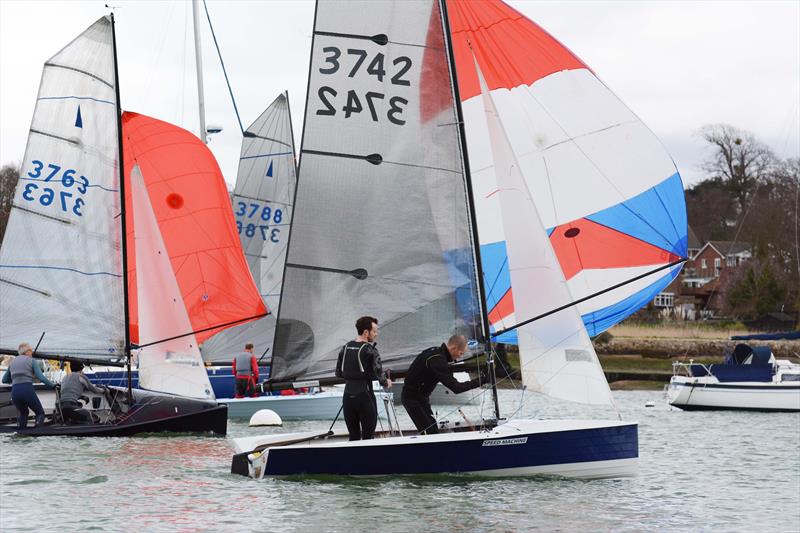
(700, 471)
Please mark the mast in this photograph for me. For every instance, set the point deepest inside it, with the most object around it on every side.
(198, 57)
(471, 203)
(124, 228)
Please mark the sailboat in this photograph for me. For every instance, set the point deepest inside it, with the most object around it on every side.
(384, 151)
(105, 264)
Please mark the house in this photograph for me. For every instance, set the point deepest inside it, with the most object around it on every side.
(694, 293)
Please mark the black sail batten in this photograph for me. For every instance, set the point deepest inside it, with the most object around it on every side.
(402, 218)
(476, 246)
(380, 38)
(123, 223)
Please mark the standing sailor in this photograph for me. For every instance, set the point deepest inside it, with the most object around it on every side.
(359, 363)
(429, 368)
(20, 374)
(245, 368)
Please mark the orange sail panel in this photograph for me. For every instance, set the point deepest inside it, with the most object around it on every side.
(193, 210)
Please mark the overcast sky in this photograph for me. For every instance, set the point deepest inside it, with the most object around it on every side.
(678, 65)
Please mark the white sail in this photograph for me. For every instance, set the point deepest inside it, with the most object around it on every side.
(60, 261)
(262, 205)
(556, 355)
(173, 366)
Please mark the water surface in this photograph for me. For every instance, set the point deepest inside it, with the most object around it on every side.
(706, 471)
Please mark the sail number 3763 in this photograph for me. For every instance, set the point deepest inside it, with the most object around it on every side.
(70, 196)
(359, 64)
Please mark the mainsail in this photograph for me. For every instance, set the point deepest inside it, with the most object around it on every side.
(60, 261)
(262, 206)
(606, 191)
(381, 224)
(575, 196)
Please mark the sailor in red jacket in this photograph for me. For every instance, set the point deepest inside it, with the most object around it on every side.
(245, 368)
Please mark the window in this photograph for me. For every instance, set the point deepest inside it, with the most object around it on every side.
(717, 262)
(730, 261)
(664, 299)
(703, 263)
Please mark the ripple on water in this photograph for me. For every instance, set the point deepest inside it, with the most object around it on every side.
(698, 471)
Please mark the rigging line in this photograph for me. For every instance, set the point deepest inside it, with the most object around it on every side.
(140, 346)
(224, 71)
(598, 293)
(739, 228)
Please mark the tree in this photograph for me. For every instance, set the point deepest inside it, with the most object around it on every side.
(739, 160)
(9, 175)
(754, 290)
(711, 210)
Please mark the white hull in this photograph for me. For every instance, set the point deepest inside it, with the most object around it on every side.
(320, 406)
(708, 393)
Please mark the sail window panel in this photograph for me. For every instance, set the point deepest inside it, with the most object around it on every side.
(62, 242)
(418, 285)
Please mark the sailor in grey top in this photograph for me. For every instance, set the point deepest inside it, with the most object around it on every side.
(72, 388)
(20, 374)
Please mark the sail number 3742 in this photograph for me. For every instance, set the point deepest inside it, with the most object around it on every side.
(69, 198)
(359, 64)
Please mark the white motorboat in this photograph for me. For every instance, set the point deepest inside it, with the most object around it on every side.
(751, 379)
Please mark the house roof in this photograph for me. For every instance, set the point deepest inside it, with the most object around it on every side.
(726, 248)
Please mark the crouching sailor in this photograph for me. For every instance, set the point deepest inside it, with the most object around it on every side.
(72, 388)
(20, 374)
(359, 363)
(245, 368)
(429, 368)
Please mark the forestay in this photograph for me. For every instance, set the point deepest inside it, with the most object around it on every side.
(606, 191)
(262, 205)
(381, 222)
(60, 261)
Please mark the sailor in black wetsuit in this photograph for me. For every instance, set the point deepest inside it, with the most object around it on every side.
(429, 368)
(359, 364)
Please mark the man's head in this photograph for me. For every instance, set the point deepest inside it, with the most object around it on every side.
(248, 347)
(367, 328)
(25, 349)
(456, 345)
(76, 366)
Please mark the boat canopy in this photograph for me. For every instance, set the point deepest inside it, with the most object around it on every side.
(744, 354)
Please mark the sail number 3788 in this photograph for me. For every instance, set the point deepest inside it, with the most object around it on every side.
(371, 100)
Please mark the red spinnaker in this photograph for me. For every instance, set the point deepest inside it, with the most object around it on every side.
(193, 210)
